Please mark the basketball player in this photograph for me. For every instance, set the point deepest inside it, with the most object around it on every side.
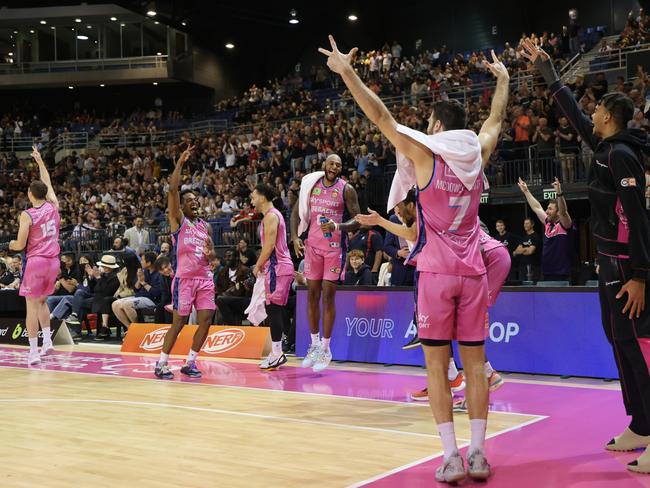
(192, 285)
(331, 198)
(38, 235)
(452, 286)
(275, 262)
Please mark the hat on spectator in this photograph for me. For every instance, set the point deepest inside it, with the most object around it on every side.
(108, 261)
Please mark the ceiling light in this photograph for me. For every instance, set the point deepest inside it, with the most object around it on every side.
(352, 17)
(11, 54)
(43, 22)
(81, 37)
(294, 21)
(230, 45)
(96, 42)
(156, 22)
(52, 27)
(31, 31)
(113, 19)
(15, 32)
(183, 23)
(158, 54)
(71, 87)
(89, 27)
(151, 13)
(155, 83)
(77, 20)
(122, 25)
(102, 85)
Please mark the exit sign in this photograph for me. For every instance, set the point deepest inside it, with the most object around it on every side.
(484, 197)
(550, 194)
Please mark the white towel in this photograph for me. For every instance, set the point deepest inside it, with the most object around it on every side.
(460, 149)
(256, 310)
(306, 186)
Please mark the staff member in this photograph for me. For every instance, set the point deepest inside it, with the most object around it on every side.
(621, 227)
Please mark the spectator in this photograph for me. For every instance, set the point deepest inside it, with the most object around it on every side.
(568, 149)
(11, 279)
(358, 273)
(6, 277)
(397, 247)
(164, 268)
(370, 243)
(105, 288)
(147, 292)
(600, 86)
(234, 289)
(66, 282)
(528, 252)
(510, 240)
(82, 299)
(138, 236)
(246, 254)
(522, 131)
(165, 250)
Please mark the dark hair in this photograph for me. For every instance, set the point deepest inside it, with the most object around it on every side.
(38, 189)
(554, 202)
(161, 262)
(620, 106)
(125, 241)
(150, 257)
(531, 221)
(132, 265)
(278, 203)
(411, 197)
(500, 222)
(450, 113)
(266, 191)
(185, 192)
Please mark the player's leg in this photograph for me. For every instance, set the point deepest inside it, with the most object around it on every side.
(329, 315)
(32, 306)
(181, 312)
(314, 291)
(202, 293)
(44, 322)
(277, 295)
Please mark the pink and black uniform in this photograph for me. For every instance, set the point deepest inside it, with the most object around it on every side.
(193, 283)
(324, 257)
(41, 262)
(278, 269)
(556, 251)
(452, 292)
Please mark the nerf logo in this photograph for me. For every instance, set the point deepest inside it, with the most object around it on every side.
(153, 341)
(223, 340)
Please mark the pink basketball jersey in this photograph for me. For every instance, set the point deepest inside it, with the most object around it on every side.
(488, 243)
(43, 238)
(280, 261)
(448, 230)
(328, 202)
(188, 259)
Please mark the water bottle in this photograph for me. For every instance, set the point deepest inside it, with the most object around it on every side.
(323, 220)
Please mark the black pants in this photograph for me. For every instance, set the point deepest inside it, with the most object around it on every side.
(232, 309)
(623, 335)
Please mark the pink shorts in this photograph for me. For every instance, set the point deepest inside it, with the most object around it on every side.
(322, 265)
(497, 263)
(277, 290)
(39, 276)
(452, 307)
(187, 292)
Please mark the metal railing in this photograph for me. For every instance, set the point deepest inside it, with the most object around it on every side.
(83, 65)
(65, 140)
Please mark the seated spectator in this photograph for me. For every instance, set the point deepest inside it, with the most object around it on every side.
(234, 289)
(66, 282)
(246, 254)
(11, 278)
(147, 292)
(165, 250)
(164, 267)
(6, 277)
(370, 243)
(385, 274)
(105, 288)
(358, 273)
(82, 299)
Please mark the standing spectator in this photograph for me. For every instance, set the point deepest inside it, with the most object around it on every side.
(358, 273)
(397, 247)
(528, 252)
(370, 243)
(574, 31)
(138, 236)
(246, 254)
(568, 149)
(600, 86)
(522, 131)
(558, 229)
(507, 238)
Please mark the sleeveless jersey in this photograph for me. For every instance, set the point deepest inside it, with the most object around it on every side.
(328, 202)
(448, 231)
(43, 238)
(280, 262)
(188, 258)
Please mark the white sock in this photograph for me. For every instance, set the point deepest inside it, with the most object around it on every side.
(276, 348)
(488, 369)
(452, 372)
(448, 437)
(33, 344)
(163, 358)
(47, 337)
(326, 343)
(478, 427)
(315, 338)
(51, 316)
(191, 356)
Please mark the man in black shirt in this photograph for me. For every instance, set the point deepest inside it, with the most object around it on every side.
(568, 149)
(621, 228)
(528, 252)
(511, 242)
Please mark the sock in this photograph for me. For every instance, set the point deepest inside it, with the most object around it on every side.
(452, 372)
(448, 437)
(478, 427)
(326, 343)
(315, 338)
(163, 358)
(191, 356)
(47, 337)
(33, 344)
(276, 348)
(488, 369)
(52, 316)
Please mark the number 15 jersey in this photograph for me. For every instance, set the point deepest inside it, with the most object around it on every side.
(43, 238)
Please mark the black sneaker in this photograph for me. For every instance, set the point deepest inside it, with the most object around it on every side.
(190, 369)
(163, 372)
(285, 344)
(415, 342)
(72, 319)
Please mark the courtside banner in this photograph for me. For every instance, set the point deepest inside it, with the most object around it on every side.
(14, 331)
(222, 341)
(541, 332)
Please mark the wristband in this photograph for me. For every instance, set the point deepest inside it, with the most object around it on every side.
(336, 227)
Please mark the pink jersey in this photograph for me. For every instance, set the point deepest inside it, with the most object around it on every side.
(448, 231)
(328, 202)
(488, 243)
(43, 239)
(280, 261)
(188, 259)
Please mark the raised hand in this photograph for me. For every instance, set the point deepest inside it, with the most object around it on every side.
(497, 68)
(36, 154)
(522, 185)
(557, 186)
(336, 60)
(372, 218)
(185, 155)
(532, 51)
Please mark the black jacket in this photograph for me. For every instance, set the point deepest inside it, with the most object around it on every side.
(619, 219)
(363, 277)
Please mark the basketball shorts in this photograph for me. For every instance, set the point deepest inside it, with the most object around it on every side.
(277, 288)
(39, 276)
(323, 264)
(187, 292)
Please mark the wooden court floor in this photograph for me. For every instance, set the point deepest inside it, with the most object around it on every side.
(62, 429)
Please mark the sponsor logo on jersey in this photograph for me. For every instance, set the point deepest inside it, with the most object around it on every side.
(335, 270)
(316, 191)
(625, 182)
(335, 194)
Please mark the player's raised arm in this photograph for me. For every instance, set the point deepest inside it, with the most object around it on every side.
(173, 197)
(489, 134)
(44, 176)
(372, 106)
